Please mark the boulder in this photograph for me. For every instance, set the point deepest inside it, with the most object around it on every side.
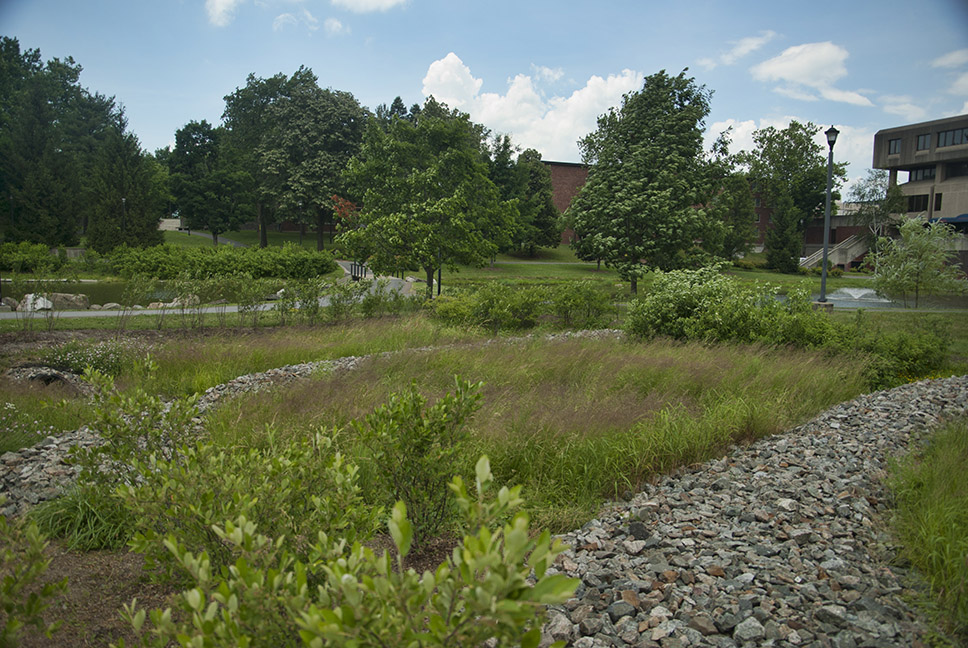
(34, 302)
(111, 306)
(11, 302)
(69, 301)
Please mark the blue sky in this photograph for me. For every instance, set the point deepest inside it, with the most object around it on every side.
(539, 70)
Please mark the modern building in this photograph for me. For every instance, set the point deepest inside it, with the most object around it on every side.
(930, 163)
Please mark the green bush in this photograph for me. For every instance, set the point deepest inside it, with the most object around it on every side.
(481, 592)
(28, 257)
(294, 490)
(580, 305)
(414, 449)
(167, 262)
(22, 564)
(109, 358)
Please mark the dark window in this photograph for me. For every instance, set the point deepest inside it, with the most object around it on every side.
(956, 169)
(924, 173)
(924, 142)
(953, 137)
(918, 203)
(756, 201)
(937, 202)
(893, 146)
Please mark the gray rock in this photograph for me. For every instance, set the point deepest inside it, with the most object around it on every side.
(749, 630)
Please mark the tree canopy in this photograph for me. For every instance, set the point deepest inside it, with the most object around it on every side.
(426, 194)
(790, 163)
(920, 262)
(640, 208)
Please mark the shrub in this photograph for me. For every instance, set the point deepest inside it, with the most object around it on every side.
(416, 448)
(22, 564)
(481, 592)
(295, 491)
(497, 306)
(28, 257)
(108, 358)
(167, 262)
(579, 304)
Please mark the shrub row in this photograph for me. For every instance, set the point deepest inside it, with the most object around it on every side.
(167, 262)
(500, 307)
(706, 305)
(29, 257)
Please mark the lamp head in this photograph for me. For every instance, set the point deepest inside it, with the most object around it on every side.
(831, 134)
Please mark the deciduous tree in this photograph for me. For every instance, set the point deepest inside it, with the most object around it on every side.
(919, 262)
(638, 209)
(877, 203)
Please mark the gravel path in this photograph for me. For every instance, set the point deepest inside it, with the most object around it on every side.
(780, 543)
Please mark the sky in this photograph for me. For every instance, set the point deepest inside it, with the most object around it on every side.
(539, 70)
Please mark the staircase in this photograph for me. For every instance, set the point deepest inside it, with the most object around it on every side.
(839, 255)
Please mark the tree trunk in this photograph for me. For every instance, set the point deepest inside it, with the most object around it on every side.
(263, 226)
(430, 282)
(214, 237)
(319, 230)
(302, 232)
(634, 286)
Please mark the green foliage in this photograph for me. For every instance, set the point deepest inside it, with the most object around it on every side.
(295, 489)
(637, 209)
(705, 305)
(480, 592)
(168, 262)
(931, 518)
(28, 257)
(731, 229)
(498, 306)
(22, 565)
(921, 262)
(877, 203)
(108, 358)
(579, 305)
(427, 199)
(784, 241)
(130, 424)
(414, 448)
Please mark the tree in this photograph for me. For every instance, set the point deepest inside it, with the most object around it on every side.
(314, 134)
(731, 229)
(425, 193)
(920, 262)
(878, 204)
(527, 182)
(638, 208)
(129, 194)
(790, 162)
(209, 193)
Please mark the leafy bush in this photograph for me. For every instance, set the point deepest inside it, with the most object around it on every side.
(92, 516)
(108, 358)
(415, 448)
(22, 564)
(28, 257)
(480, 593)
(296, 491)
(579, 304)
(167, 262)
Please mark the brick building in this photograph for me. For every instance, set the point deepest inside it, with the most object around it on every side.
(566, 179)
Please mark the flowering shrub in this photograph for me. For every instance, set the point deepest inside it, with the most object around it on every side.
(108, 358)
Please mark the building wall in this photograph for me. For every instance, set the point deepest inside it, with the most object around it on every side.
(567, 178)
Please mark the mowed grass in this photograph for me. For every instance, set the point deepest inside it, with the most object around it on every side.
(931, 520)
(577, 421)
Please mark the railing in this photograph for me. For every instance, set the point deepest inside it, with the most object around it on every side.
(841, 254)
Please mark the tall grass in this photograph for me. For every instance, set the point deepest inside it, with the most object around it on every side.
(29, 413)
(931, 520)
(574, 421)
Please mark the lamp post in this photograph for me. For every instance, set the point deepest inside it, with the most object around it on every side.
(831, 134)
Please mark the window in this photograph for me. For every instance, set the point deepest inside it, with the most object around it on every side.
(937, 202)
(757, 202)
(894, 146)
(918, 203)
(924, 173)
(924, 142)
(956, 169)
(953, 137)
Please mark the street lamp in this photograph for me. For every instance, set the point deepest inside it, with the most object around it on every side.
(831, 134)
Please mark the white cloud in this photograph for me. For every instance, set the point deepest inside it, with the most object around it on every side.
(287, 19)
(334, 27)
(551, 125)
(367, 6)
(960, 86)
(740, 49)
(221, 12)
(953, 59)
(795, 92)
(546, 73)
(811, 65)
(963, 111)
(904, 106)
